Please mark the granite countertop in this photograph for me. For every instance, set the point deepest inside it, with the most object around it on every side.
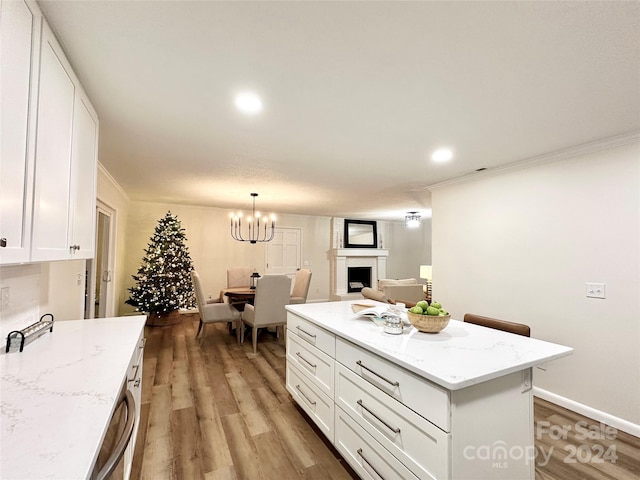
(459, 356)
(58, 396)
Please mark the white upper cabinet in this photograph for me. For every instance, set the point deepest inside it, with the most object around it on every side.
(54, 135)
(49, 145)
(19, 30)
(83, 177)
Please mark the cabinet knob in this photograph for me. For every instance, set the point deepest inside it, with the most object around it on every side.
(74, 247)
(3, 242)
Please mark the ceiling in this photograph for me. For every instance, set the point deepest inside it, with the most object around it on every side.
(356, 95)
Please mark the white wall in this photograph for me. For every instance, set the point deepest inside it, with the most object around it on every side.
(408, 249)
(520, 246)
(39, 288)
(111, 194)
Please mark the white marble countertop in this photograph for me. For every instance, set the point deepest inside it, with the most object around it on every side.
(459, 356)
(58, 395)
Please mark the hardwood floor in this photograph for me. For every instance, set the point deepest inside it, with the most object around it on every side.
(212, 409)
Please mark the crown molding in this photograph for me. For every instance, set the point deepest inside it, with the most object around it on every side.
(113, 181)
(564, 154)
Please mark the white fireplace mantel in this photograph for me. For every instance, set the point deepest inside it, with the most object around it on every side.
(343, 258)
(359, 252)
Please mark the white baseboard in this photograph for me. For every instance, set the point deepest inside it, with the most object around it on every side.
(598, 415)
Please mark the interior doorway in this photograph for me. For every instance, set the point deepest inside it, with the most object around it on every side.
(99, 297)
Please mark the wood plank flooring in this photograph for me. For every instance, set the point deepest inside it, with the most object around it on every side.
(214, 410)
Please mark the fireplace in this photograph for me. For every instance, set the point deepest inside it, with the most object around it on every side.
(358, 278)
(344, 259)
(372, 261)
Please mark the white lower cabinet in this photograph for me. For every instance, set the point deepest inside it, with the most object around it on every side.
(421, 446)
(363, 413)
(366, 456)
(134, 385)
(316, 404)
(390, 423)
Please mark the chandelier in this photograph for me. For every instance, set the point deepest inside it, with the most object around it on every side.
(254, 234)
(412, 220)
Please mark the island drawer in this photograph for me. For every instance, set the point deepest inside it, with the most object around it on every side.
(315, 403)
(312, 334)
(312, 362)
(368, 458)
(416, 442)
(419, 394)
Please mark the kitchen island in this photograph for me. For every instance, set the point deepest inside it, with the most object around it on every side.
(59, 394)
(452, 405)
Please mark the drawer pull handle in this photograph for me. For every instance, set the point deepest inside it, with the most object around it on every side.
(393, 429)
(305, 397)
(306, 361)
(305, 332)
(137, 367)
(393, 384)
(369, 463)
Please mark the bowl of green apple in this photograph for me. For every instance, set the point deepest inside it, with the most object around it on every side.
(428, 318)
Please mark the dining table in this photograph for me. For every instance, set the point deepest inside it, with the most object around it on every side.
(239, 296)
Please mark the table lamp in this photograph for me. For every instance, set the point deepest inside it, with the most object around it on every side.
(425, 273)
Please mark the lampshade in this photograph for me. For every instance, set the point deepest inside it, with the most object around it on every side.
(425, 272)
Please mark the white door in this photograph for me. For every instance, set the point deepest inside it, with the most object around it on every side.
(100, 269)
(284, 252)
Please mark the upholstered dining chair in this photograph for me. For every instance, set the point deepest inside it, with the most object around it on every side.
(511, 327)
(272, 294)
(301, 286)
(211, 312)
(239, 277)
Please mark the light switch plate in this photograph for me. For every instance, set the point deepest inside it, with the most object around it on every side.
(596, 290)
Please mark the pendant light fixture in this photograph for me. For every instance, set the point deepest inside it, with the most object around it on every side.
(412, 220)
(254, 233)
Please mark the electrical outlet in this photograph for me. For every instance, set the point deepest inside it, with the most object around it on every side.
(4, 298)
(595, 290)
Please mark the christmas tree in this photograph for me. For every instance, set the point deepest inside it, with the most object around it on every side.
(163, 282)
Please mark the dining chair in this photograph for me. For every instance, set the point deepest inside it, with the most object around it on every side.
(211, 312)
(239, 277)
(511, 327)
(301, 286)
(272, 294)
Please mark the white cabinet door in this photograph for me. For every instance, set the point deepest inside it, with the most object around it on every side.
(83, 179)
(17, 78)
(53, 153)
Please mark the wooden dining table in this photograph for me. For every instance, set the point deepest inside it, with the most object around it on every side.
(239, 296)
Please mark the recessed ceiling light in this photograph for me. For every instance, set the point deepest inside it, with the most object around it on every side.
(442, 155)
(248, 102)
